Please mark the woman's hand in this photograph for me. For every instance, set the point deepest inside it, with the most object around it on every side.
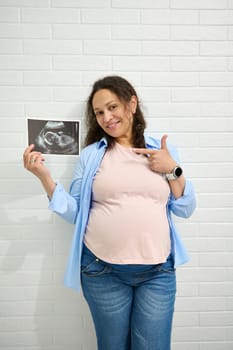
(34, 162)
(159, 160)
(162, 162)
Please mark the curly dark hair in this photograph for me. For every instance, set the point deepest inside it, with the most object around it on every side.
(124, 91)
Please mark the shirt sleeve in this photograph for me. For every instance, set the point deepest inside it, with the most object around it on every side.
(66, 203)
(183, 206)
(63, 204)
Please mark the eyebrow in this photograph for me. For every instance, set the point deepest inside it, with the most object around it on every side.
(107, 104)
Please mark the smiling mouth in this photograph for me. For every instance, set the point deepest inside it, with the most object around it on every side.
(112, 125)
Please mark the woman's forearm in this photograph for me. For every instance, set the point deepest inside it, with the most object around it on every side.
(49, 185)
(177, 186)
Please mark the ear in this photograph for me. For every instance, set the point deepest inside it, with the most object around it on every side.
(133, 104)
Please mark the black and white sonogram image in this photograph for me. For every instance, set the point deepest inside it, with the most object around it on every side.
(54, 136)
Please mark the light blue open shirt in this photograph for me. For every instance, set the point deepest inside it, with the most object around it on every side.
(75, 206)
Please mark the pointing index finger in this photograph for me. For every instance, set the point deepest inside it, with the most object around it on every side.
(144, 151)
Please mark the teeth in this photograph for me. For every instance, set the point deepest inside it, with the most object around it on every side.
(112, 125)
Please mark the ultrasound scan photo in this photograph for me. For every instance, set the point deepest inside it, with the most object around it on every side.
(54, 136)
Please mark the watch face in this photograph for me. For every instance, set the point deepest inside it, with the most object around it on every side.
(178, 172)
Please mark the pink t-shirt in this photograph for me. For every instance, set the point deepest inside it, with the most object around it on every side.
(128, 222)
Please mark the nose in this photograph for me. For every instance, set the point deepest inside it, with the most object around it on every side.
(107, 116)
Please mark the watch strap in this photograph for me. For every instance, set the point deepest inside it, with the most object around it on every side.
(176, 173)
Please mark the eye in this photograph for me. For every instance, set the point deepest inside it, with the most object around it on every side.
(112, 107)
(98, 113)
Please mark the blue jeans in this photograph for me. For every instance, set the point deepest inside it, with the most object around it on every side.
(131, 305)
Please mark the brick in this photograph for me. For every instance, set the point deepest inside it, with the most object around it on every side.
(33, 246)
(186, 289)
(50, 47)
(230, 64)
(216, 140)
(82, 63)
(170, 48)
(188, 229)
(79, 3)
(80, 31)
(142, 32)
(218, 259)
(20, 94)
(52, 15)
(137, 4)
(216, 346)
(172, 110)
(181, 139)
(170, 79)
(24, 62)
(208, 171)
(26, 30)
(199, 304)
(17, 324)
(182, 319)
(169, 17)
(142, 63)
(193, 125)
(14, 139)
(11, 110)
(213, 214)
(43, 216)
(22, 279)
(215, 185)
(207, 245)
(110, 16)
(192, 334)
(217, 110)
(9, 14)
(215, 229)
(26, 339)
(154, 94)
(60, 248)
(207, 155)
(52, 78)
(70, 94)
(54, 109)
(216, 17)
(216, 79)
(230, 33)
(104, 47)
(216, 48)
(180, 32)
(200, 94)
(24, 3)
(10, 78)
(199, 4)
(184, 345)
(196, 64)
(11, 46)
(216, 200)
(222, 289)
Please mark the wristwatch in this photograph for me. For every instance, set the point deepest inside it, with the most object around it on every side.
(176, 172)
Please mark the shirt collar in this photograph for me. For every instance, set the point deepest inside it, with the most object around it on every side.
(151, 142)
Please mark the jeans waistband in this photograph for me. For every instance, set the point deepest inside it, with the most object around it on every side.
(124, 267)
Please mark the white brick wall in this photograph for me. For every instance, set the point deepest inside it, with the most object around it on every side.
(178, 54)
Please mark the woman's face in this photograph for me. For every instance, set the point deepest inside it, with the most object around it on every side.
(114, 116)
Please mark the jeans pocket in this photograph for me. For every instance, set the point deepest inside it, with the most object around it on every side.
(94, 268)
(168, 266)
(171, 270)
